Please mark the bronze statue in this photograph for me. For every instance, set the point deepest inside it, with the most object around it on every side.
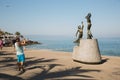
(89, 34)
(80, 31)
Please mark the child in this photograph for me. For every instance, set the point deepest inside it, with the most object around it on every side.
(20, 54)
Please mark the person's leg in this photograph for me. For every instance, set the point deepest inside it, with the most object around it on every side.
(14, 47)
(22, 66)
(18, 64)
(1, 47)
(22, 62)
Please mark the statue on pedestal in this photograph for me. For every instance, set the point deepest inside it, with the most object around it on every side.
(87, 50)
(80, 31)
(89, 34)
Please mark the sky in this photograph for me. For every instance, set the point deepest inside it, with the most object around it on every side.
(60, 17)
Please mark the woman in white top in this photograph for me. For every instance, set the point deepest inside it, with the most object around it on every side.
(20, 54)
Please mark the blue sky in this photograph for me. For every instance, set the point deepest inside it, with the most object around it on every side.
(60, 17)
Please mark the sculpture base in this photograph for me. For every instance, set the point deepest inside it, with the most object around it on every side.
(87, 51)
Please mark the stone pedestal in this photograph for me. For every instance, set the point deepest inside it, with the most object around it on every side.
(87, 51)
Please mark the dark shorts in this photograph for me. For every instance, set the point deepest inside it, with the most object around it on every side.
(21, 58)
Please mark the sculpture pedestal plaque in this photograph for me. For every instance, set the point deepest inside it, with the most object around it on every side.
(87, 51)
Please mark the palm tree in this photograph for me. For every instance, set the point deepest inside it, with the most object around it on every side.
(8, 33)
(17, 33)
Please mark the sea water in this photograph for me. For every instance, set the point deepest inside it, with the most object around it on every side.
(107, 46)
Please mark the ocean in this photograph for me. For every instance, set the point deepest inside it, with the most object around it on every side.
(107, 46)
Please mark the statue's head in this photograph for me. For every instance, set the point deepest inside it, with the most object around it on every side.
(88, 16)
(79, 27)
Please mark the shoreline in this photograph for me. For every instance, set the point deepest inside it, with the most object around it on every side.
(56, 65)
(68, 51)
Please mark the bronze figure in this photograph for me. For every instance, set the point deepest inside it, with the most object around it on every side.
(89, 34)
(80, 32)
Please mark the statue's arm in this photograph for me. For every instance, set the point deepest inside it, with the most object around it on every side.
(76, 32)
(82, 25)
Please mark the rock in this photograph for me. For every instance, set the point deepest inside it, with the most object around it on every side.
(30, 42)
